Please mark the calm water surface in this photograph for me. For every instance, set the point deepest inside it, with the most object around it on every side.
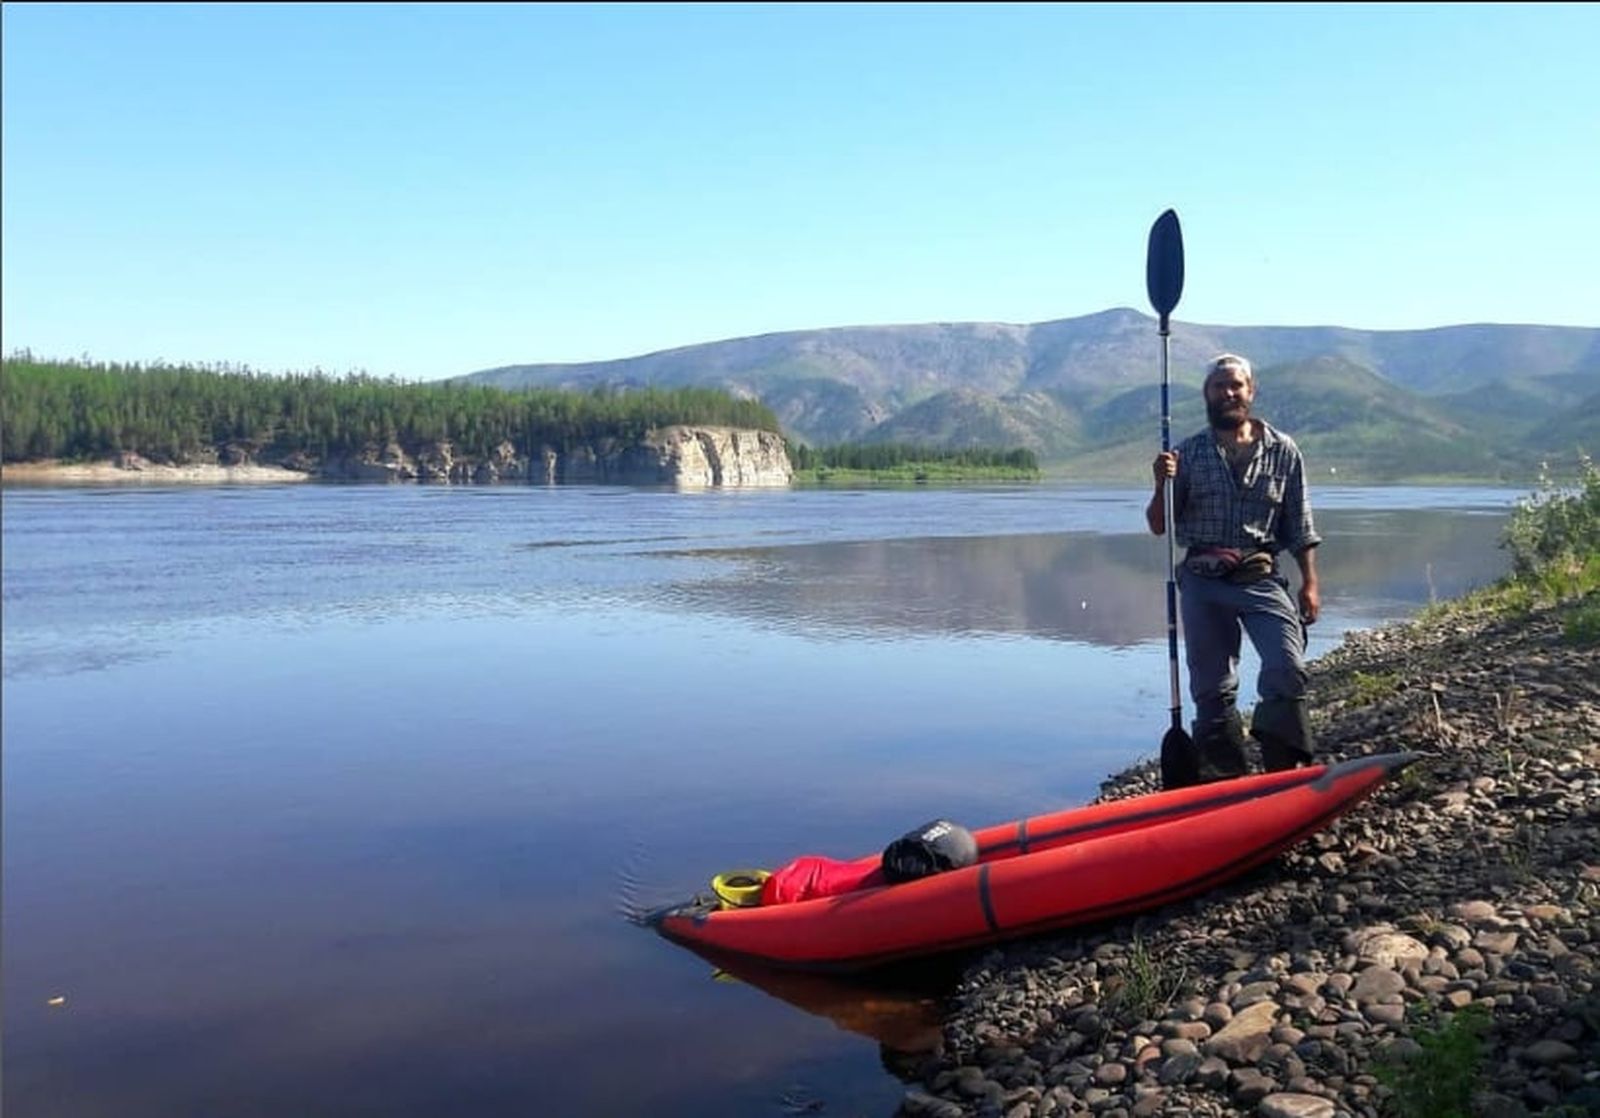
(328, 800)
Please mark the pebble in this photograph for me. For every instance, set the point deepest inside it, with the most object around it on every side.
(1285, 1105)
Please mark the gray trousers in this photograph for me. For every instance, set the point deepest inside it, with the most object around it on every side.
(1214, 610)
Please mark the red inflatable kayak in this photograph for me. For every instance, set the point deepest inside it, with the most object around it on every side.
(1051, 871)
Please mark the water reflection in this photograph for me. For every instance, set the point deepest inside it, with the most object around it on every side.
(1093, 588)
(900, 1008)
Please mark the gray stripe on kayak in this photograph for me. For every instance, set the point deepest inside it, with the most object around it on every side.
(1390, 762)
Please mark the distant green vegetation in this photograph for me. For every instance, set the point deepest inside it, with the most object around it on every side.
(82, 411)
(901, 462)
(1554, 540)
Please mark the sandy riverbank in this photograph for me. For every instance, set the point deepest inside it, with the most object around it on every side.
(144, 473)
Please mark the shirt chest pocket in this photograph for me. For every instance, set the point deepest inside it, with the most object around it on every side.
(1262, 499)
(1269, 487)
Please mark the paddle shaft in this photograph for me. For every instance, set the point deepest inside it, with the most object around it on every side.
(1163, 277)
(1172, 551)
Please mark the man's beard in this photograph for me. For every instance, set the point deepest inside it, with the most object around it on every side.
(1222, 420)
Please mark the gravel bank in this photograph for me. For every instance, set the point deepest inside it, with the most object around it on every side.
(1474, 879)
(138, 471)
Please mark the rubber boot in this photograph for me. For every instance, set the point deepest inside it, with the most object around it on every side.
(1221, 749)
(1283, 728)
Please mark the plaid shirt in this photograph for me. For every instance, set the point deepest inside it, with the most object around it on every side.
(1269, 511)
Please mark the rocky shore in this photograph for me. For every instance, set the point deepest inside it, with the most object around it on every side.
(1460, 906)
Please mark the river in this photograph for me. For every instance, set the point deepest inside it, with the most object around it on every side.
(331, 800)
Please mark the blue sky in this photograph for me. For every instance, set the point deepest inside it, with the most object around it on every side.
(426, 190)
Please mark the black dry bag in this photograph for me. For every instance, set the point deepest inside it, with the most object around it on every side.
(931, 848)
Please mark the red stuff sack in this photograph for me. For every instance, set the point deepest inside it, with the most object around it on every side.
(811, 875)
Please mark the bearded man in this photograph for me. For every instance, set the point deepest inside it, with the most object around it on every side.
(1239, 501)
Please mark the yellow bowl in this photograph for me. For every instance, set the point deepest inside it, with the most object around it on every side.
(739, 888)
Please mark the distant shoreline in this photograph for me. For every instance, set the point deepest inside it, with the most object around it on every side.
(52, 472)
(108, 472)
(915, 474)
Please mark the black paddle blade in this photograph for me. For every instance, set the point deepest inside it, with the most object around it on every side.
(1163, 270)
(1180, 760)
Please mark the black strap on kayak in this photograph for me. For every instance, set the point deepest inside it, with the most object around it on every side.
(985, 899)
(1022, 837)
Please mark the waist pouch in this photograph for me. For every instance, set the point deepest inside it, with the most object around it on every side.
(1229, 563)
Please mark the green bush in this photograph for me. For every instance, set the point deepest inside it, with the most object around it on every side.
(1582, 625)
(1556, 531)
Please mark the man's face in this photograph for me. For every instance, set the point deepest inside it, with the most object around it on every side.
(1228, 395)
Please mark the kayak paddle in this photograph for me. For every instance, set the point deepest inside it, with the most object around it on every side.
(1180, 764)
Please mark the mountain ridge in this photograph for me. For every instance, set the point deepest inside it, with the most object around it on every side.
(1057, 387)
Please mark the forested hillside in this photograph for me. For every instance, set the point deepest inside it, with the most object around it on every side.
(80, 411)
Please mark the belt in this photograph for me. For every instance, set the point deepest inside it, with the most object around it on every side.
(1230, 563)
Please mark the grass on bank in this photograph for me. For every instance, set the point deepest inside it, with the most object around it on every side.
(1372, 687)
(1554, 540)
(1439, 1078)
(913, 473)
(901, 463)
(1144, 988)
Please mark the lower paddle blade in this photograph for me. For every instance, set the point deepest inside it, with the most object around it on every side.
(1180, 761)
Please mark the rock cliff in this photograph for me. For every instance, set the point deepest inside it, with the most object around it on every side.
(688, 457)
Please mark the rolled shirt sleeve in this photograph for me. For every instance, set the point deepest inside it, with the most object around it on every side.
(1297, 530)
